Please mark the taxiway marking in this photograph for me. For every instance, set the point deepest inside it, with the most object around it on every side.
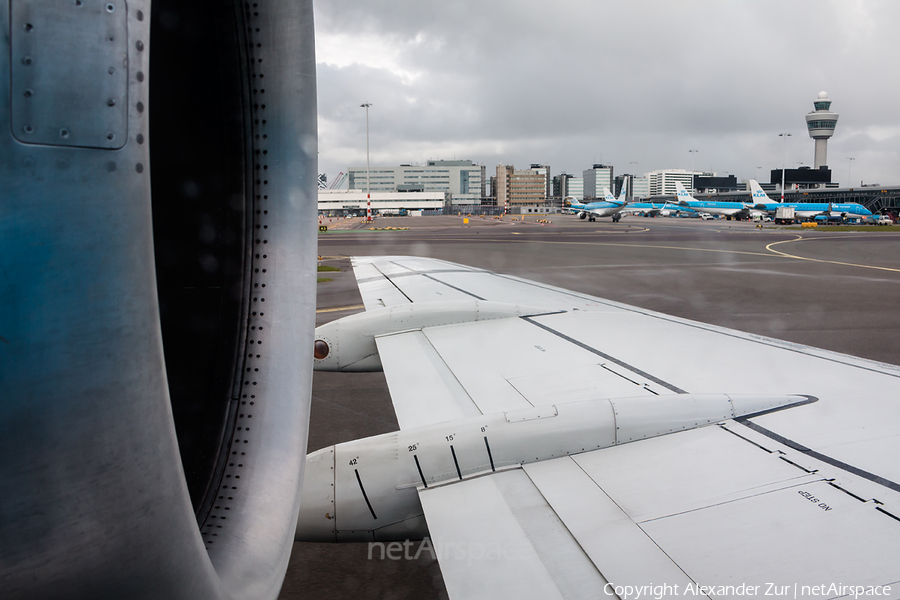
(800, 238)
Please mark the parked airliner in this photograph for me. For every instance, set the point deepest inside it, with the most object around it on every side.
(805, 210)
(727, 209)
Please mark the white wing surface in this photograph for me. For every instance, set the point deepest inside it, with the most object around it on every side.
(799, 501)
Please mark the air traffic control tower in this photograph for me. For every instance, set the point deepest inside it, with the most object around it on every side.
(821, 124)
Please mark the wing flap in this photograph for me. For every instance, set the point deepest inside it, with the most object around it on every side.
(423, 389)
(391, 281)
(587, 381)
(727, 511)
(508, 364)
(697, 515)
(377, 291)
(512, 545)
(492, 367)
(823, 535)
(687, 471)
(602, 529)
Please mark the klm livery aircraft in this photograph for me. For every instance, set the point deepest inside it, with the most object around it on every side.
(609, 207)
(806, 210)
(763, 205)
(728, 209)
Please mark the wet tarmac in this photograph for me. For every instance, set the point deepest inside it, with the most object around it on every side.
(836, 290)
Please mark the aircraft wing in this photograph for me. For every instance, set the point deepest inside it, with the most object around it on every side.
(807, 496)
(637, 210)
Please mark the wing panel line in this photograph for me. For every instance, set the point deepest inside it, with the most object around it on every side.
(435, 279)
(593, 350)
(391, 282)
(819, 456)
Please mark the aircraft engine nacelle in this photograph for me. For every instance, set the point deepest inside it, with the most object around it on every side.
(157, 294)
(582, 215)
(366, 490)
(348, 344)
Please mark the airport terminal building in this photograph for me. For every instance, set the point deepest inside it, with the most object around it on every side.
(354, 202)
(662, 182)
(462, 179)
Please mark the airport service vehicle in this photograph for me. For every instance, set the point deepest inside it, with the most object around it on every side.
(555, 445)
(706, 216)
(609, 207)
(883, 220)
(785, 215)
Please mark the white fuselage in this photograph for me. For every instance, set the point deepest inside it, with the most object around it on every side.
(606, 210)
(725, 209)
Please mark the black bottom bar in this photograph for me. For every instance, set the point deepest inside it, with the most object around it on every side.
(490, 456)
(419, 467)
(458, 472)
(363, 490)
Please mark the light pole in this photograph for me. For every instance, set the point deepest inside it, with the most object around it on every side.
(850, 160)
(366, 105)
(783, 155)
(692, 153)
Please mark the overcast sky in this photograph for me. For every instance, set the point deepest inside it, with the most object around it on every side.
(635, 84)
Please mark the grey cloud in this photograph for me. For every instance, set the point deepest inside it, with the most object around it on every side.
(632, 81)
